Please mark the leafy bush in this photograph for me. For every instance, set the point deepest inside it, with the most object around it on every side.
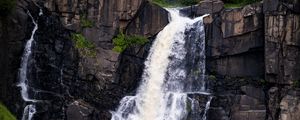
(5, 114)
(121, 42)
(85, 23)
(6, 6)
(84, 46)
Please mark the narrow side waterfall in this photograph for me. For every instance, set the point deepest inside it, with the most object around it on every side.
(175, 67)
(30, 109)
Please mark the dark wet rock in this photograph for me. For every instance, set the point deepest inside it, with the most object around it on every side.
(235, 41)
(149, 21)
(204, 7)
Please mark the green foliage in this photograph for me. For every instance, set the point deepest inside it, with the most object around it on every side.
(238, 3)
(85, 23)
(175, 3)
(84, 46)
(5, 114)
(296, 84)
(6, 6)
(212, 78)
(121, 42)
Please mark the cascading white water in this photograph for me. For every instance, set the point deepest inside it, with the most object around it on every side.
(30, 109)
(175, 67)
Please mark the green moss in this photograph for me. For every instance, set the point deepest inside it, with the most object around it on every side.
(5, 114)
(122, 41)
(6, 6)
(84, 46)
(85, 22)
(238, 3)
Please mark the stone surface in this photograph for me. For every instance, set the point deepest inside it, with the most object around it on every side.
(204, 7)
(150, 20)
(58, 71)
(79, 110)
(235, 41)
(290, 107)
(282, 43)
(15, 30)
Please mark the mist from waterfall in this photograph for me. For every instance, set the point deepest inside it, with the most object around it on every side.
(175, 67)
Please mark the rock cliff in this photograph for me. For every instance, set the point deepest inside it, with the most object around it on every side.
(252, 57)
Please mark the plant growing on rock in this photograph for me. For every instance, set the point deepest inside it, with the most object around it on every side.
(122, 41)
(296, 84)
(85, 22)
(5, 114)
(84, 46)
(212, 78)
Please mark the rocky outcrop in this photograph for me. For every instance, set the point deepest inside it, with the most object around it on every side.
(149, 21)
(235, 59)
(234, 39)
(70, 83)
(252, 57)
(289, 107)
(204, 7)
(14, 31)
(282, 57)
(282, 43)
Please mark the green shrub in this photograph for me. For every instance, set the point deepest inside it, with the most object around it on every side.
(121, 42)
(5, 114)
(85, 23)
(84, 46)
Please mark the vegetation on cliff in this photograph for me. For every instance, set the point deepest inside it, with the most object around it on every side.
(85, 22)
(122, 41)
(5, 114)
(84, 46)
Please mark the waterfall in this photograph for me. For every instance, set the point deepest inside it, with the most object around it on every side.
(30, 109)
(174, 68)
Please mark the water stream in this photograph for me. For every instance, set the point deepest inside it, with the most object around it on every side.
(30, 109)
(175, 67)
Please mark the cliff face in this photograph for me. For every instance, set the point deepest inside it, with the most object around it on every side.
(252, 57)
(253, 53)
(73, 85)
